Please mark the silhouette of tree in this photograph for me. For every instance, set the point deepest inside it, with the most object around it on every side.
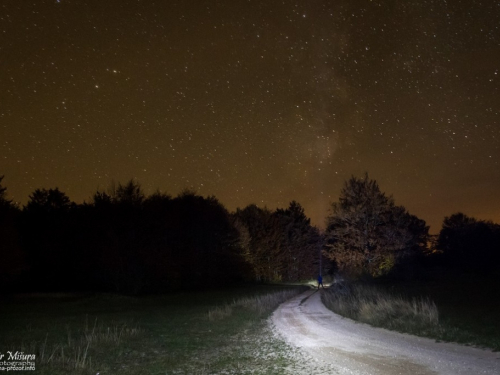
(264, 252)
(119, 226)
(301, 243)
(48, 201)
(48, 238)
(469, 244)
(367, 233)
(280, 245)
(204, 244)
(127, 242)
(4, 202)
(12, 260)
(244, 238)
(101, 199)
(156, 242)
(131, 193)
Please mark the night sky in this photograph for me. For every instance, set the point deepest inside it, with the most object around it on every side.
(255, 101)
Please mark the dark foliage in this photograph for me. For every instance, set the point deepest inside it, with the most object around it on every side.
(262, 248)
(12, 260)
(301, 242)
(124, 241)
(47, 231)
(137, 243)
(469, 245)
(280, 245)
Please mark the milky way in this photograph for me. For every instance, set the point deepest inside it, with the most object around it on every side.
(255, 101)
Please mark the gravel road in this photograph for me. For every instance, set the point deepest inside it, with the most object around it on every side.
(354, 348)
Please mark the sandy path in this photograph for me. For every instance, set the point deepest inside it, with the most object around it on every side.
(356, 348)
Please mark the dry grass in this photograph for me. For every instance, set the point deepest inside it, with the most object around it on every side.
(175, 334)
(383, 309)
(74, 353)
(261, 305)
(220, 312)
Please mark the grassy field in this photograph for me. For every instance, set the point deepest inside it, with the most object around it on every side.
(469, 308)
(463, 310)
(184, 333)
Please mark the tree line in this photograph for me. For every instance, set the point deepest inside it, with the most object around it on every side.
(125, 241)
(128, 242)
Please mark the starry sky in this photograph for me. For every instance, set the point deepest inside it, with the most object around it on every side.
(255, 101)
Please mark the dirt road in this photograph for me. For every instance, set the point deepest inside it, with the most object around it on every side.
(355, 348)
